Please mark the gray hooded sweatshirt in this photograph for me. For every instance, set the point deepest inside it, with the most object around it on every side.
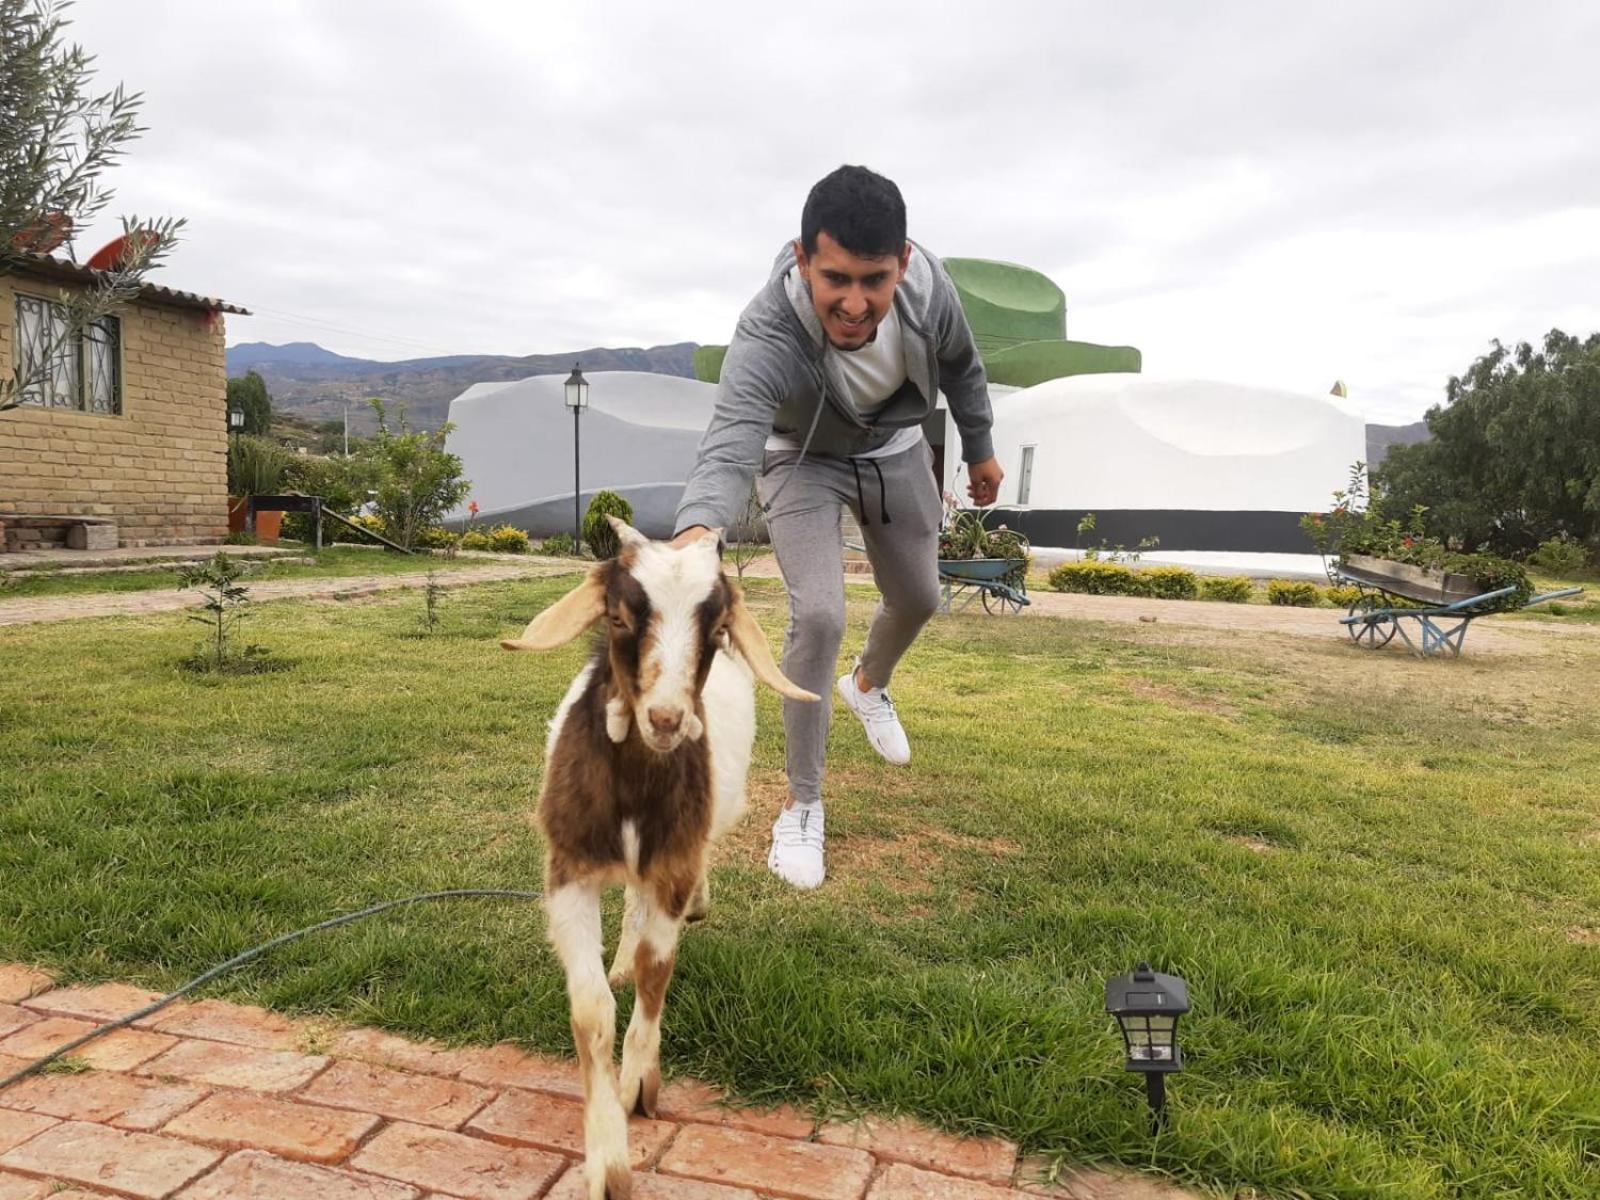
(778, 378)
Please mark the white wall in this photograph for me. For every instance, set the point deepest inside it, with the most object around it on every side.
(1133, 442)
(515, 439)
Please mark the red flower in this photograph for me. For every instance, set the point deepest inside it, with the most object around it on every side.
(473, 508)
(1408, 542)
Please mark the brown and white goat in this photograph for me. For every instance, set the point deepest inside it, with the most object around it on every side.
(645, 769)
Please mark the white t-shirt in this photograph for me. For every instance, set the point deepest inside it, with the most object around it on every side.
(871, 374)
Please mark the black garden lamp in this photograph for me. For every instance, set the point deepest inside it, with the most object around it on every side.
(577, 389)
(235, 420)
(1147, 1005)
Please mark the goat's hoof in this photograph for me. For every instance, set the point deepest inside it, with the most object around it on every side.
(696, 914)
(644, 1104)
(618, 1183)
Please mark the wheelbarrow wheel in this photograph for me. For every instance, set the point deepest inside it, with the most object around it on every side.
(998, 603)
(1374, 635)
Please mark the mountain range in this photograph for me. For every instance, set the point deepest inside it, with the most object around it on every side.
(314, 383)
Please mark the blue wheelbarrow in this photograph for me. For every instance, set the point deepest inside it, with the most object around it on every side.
(1396, 598)
(995, 582)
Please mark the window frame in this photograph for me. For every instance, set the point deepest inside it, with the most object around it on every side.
(1025, 473)
(83, 360)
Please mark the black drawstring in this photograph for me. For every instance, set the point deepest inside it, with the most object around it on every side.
(861, 500)
(861, 503)
(883, 499)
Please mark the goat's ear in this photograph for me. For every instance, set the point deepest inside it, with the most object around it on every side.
(627, 535)
(752, 644)
(567, 617)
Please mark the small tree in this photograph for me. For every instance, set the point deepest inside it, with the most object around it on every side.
(415, 479)
(56, 138)
(748, 536)
(597, 531)
(225, 600)
(249, 394)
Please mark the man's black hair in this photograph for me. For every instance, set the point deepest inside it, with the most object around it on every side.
(859, 209)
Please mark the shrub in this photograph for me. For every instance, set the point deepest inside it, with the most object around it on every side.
(257, 466)
(416, 480)
(1563, 556)
(1092, 578)
(508, 539)
(1294, 593)
(1171, 583)
(597, 531)
(1230, 589)
(1342, 595)
(557, 545)
(437, 537)
(475, 539)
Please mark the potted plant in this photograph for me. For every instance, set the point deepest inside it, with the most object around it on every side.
(1358, 541)
(256, 467)
(969, 549)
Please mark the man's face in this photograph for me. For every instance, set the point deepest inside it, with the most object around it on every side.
(851, 293)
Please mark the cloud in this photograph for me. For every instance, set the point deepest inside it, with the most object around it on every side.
(1250, 191)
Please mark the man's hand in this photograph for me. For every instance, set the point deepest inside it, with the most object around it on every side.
(692, 534)
(984, 482)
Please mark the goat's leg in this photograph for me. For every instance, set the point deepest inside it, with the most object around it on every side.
(574, 920)
(627, 939)
(700, 901)
(652, 970)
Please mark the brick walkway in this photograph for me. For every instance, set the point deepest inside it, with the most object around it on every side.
(215, 1101)
(345, 587)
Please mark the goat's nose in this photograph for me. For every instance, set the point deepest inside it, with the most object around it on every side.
(666, 721)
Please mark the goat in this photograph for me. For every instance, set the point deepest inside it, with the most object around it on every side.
(645, 768)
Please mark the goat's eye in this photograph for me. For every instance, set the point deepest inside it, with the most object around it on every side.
(618, 622)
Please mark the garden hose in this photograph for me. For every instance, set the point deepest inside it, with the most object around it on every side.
(240, 960)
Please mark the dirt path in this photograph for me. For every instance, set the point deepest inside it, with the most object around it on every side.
(346, 587)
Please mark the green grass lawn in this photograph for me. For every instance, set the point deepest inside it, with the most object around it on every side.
(1380, 876)
(333, 561)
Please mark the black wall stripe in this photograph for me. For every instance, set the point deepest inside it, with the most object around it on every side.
(1179, 529)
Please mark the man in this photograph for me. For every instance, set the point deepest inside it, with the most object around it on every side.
(832, 370)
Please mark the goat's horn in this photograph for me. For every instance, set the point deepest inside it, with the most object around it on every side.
(627, 535)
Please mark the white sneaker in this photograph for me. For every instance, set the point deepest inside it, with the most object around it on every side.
(796, 855)
(875, 711)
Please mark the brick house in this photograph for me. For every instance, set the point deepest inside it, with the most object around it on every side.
(126, 438)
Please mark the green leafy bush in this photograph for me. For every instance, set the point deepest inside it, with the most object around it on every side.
(1092, 578)
(1562, 556)
(1170, 583)
(1293, 593)
(597, 532)
(475, 539)
(557, 545)
(437, 537)
(1342, 595)
(508, 539)
(1230, 589)
(257, 466)
(415, 479)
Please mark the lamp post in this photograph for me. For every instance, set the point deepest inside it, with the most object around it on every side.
(1147, 1005)
(235, 420)
(577, 389)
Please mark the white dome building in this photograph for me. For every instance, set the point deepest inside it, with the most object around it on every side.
(637, 438)
(1214, 470)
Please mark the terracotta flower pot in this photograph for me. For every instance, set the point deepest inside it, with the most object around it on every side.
(269, 524)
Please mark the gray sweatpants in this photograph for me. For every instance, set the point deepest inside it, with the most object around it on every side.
(896, 502)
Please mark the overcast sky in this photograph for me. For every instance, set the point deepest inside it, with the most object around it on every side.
(1253, 192)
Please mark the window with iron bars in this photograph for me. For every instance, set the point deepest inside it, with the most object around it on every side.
(60, 367)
